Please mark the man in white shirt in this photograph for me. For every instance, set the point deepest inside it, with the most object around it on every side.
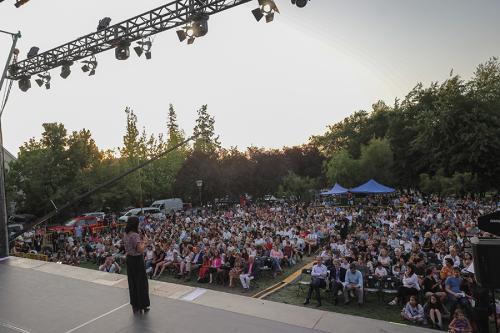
(453, 256)
(318, 276)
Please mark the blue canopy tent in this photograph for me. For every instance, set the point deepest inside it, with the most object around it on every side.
(372, 187)
(335, 190)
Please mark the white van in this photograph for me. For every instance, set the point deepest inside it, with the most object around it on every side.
(155, 212)
(168, 205)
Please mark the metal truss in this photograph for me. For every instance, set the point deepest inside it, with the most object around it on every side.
(171, 15)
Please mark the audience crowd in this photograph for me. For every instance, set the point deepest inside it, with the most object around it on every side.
(416, 248)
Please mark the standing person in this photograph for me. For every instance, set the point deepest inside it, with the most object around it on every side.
(136, 271)
(318, 276)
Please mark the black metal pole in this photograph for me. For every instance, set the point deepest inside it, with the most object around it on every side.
(4, 234)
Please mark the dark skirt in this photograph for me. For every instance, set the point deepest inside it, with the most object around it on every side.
(137, 282)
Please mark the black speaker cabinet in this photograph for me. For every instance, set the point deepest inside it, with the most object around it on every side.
(486, 253)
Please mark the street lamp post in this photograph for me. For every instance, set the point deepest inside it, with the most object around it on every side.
(199, 184)
(4, 234)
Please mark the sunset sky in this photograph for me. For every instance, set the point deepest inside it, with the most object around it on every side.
(267, 85)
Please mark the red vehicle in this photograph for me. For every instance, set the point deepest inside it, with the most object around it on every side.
(83, 221)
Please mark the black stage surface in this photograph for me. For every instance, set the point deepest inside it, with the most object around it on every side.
(33, 301)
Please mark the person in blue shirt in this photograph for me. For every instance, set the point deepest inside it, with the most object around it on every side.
(455, 295)
(353, 283)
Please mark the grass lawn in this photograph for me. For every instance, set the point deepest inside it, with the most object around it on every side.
(265, 280)
(371, 309)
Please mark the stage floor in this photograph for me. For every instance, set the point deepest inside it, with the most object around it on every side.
(40, 297)
(32, 301)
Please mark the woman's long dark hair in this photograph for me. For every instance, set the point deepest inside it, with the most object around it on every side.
(132, 224)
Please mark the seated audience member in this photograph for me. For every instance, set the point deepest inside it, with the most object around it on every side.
(431, 286)
(276, 255)
(236, 269)
(460, 323)
(380, 271)
(353, 283)
(337, 275)
(434, 311)
(413, 311)
(167, 261)
(204, 269)
(311, 241)
(185, 266)
(318, 280)
(215, 267)
(110, 265)
(410, 286)
(248, 274)
(453, 256)
(455, 295)
(288, 253)
(447, 269)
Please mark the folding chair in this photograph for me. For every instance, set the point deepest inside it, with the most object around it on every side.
(302, 283)
(372, 285)
(389, 285)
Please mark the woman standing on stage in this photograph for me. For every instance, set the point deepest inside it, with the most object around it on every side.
(136, 271)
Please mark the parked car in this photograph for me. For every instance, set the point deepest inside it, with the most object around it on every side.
(166, 206)
(21, 218)
(99, 215)
(84, 221)
(14, 228)
(136, 211)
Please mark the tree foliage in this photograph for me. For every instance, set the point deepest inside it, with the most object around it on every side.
(451, 127)
(444, 138)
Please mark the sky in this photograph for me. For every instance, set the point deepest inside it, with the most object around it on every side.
(268, 85)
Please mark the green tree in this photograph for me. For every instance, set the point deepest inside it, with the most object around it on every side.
(376, 161)
(293, 185)
(206, 141)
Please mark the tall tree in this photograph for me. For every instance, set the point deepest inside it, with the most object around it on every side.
(207, 141)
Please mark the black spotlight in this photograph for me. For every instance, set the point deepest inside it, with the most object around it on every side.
(66, 68)
(198, 27)
(199, 24)
(19, 3)
(122, 51)
(266, 8)
(24, 83)
(144, 46)
(300, 3)
(43, 79)
(103, 23)
(90, 66)
(181, 34)
(33, 52)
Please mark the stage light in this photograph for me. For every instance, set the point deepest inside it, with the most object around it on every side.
(198, 27)
(66, 68)
(24, 83)
(33, 52)
(90, 66)
(181, 34)
(144, 47)
(122, 51)
(199, 24)
(44, 79)
(19, 3)
(266, 8)
(103, 23)
(300, 3)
